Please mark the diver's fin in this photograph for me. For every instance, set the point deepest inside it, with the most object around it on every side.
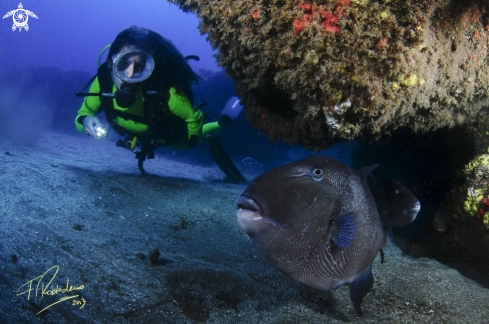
(365, 172)
(359, 289)
(346, 230)
(147, 151)
(232, 108)
(141, 157)
(223, 160)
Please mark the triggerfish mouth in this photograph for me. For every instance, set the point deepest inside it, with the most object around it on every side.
(316, 220)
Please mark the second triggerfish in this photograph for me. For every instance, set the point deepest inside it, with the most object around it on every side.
(316, 220)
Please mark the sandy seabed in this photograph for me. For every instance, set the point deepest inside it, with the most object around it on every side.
(76, 213)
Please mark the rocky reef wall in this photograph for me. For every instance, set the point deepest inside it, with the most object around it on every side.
(317, 73)
(448, 171)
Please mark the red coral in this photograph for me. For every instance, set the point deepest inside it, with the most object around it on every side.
(299, 25)
(306, 17)
(326, 14)
(382, 43)
(320, 15)
(306, 6)
(330, 27)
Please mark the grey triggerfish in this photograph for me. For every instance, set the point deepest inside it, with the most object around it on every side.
(316, 220)
(397, 205)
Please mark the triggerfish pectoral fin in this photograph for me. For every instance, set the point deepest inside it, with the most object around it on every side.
(346, 231)
(359, 289)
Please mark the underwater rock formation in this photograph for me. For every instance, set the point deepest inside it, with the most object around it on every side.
(317, 73)
(448, 171)
(459, 230)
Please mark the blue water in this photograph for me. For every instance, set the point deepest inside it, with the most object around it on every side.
(68, 36)
(71, 34)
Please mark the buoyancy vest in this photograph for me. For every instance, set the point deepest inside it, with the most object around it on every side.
(161, 122)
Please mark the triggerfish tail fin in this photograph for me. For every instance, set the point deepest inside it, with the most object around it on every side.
(359, 289)
(366, 171)
(346, 227)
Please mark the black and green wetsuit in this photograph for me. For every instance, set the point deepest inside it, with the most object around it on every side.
(179, 106)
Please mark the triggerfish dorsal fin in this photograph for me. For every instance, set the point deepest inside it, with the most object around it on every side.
(366, 171)
(345, 230)
(359, 289)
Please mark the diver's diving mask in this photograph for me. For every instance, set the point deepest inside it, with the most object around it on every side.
(131, 66)
(128, 68)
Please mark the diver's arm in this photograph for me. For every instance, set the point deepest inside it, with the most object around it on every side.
(90, 108)
(209, 130)
(180, 106)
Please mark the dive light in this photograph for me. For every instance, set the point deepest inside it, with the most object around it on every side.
(101, 132)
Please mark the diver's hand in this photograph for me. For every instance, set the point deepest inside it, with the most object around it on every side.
(88, 123)
(225, 120)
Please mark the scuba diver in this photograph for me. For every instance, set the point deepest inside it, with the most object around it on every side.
(144, 89)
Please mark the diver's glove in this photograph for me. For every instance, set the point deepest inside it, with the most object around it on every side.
(225, 120)
(93, 127)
